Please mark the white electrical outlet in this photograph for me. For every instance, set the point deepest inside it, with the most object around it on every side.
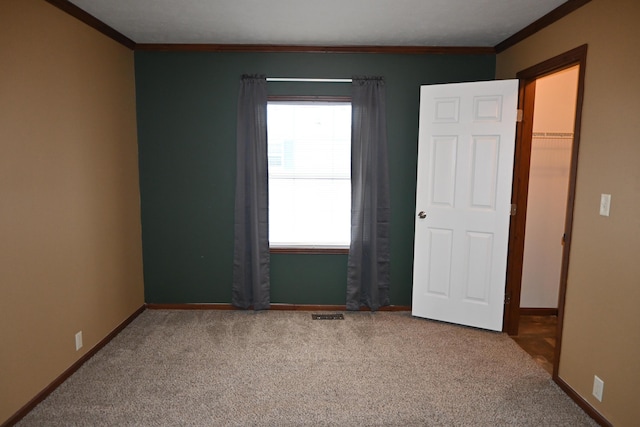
(598, 387)
(78, 340)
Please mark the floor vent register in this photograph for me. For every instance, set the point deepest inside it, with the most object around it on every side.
(337, 316)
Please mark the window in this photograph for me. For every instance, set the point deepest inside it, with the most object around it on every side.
(309, 150)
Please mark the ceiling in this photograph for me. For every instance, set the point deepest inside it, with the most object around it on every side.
(478, 23)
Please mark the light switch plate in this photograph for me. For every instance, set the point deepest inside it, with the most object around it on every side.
(605, 204)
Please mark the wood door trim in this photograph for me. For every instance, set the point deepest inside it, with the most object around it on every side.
(527, 77)
(522, 163)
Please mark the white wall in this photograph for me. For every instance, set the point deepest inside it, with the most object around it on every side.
(548, 186)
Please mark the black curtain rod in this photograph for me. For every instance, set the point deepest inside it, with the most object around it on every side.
(308, 80)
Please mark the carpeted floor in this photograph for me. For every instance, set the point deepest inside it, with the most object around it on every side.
(281, 368)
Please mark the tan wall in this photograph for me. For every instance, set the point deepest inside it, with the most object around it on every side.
(70, 239)
(602, 319)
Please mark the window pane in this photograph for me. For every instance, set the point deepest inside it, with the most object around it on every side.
(309, 149)
(309, 211)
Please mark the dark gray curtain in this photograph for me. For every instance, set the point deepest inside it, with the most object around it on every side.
(251, 228)
(369, 255)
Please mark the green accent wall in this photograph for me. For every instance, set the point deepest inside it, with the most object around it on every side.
(186, 107)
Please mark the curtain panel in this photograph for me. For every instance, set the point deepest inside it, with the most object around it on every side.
(368, 273)
(251, 260)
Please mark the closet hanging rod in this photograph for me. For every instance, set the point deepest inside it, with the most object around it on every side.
(306, 80)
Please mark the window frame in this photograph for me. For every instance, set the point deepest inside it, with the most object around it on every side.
(310, 249)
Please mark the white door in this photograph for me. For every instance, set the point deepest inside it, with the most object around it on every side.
(465, 165)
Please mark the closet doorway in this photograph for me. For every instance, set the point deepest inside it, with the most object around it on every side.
(547, 145)
(551, 143)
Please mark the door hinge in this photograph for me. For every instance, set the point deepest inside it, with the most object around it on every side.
(507, 298)
(519, 115)
(514, 208)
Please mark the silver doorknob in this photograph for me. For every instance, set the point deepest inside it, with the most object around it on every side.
(422, 215)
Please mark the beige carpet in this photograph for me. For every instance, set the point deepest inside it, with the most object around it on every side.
(281, 368)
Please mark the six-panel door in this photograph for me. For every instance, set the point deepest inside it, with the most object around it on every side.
(465, 166)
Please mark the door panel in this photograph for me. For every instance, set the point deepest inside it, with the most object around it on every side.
(478, 267)
(439, 273)
(444, 168)
(465, 164)
(484, 172)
